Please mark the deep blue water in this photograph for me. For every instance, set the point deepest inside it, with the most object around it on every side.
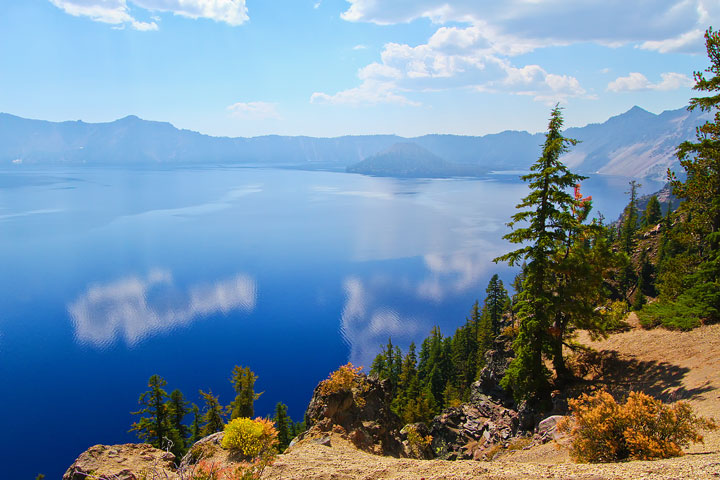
(111, 275)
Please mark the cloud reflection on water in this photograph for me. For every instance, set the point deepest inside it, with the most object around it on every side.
(364, 327)
(367, 321)
(136, 307)
(455, 273)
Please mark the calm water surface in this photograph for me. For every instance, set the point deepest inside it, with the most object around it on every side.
(111, 275)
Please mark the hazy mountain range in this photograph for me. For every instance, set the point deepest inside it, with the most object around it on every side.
(636, 143)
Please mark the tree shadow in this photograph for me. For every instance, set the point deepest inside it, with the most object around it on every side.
(622, 375)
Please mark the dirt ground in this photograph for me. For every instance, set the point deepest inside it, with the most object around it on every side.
(668, 365)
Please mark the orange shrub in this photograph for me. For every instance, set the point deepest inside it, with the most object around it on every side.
(341, 380)
(642, 429)
(346, 379)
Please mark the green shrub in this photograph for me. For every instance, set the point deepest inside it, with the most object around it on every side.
(671, 315)
(249, 437)
(642, 429)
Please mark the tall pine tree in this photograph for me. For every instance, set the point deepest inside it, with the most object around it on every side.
(545, 218)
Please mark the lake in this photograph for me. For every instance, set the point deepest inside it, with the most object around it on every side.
(110, 275)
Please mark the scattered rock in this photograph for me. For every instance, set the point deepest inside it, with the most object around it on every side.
(467, 431)
(130, 461)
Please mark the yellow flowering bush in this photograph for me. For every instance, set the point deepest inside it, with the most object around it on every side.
(643, 428)
(249, 437)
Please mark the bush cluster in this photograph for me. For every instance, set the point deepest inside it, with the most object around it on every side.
(641, 429)
(252, 438)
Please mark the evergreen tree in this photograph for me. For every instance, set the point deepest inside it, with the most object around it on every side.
(177, 408)
(153, 428)
(388, 364)
(700, 192)
(653, 214)
(630, 220)
(689, 277)
(546, 218)
(243, 381)
(497, 303)
(434, 367)
(212, 420)
(195, 432)
(284, 426)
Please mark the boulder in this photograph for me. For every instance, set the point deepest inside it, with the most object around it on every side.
(361, 413)
(130, 461)
(548, 430)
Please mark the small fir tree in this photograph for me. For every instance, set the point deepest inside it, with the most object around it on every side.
(283, 424)
(154, 425)
(243, 381)
(212, 419)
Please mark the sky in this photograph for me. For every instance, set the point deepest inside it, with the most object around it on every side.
(336, 67)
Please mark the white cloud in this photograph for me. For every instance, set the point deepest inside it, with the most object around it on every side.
(232, 12)
(554, 22)
(688, 42)
(360, 47)
(135, 308)
(114, 12)
(638, 82)
(370, 92)
(254, 110)
(453, 57)
(117, 12)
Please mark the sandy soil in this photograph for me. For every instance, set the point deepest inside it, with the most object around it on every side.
(669, 365)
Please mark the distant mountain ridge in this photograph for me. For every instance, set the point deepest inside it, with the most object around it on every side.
(636, 143)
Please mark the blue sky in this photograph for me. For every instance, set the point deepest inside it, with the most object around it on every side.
(336, 67)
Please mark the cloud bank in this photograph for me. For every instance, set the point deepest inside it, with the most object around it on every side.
(476, 40)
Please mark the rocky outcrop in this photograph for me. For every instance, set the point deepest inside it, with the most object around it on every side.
(497, 360)
(470, 430)
(123, 462)
(361, 413)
